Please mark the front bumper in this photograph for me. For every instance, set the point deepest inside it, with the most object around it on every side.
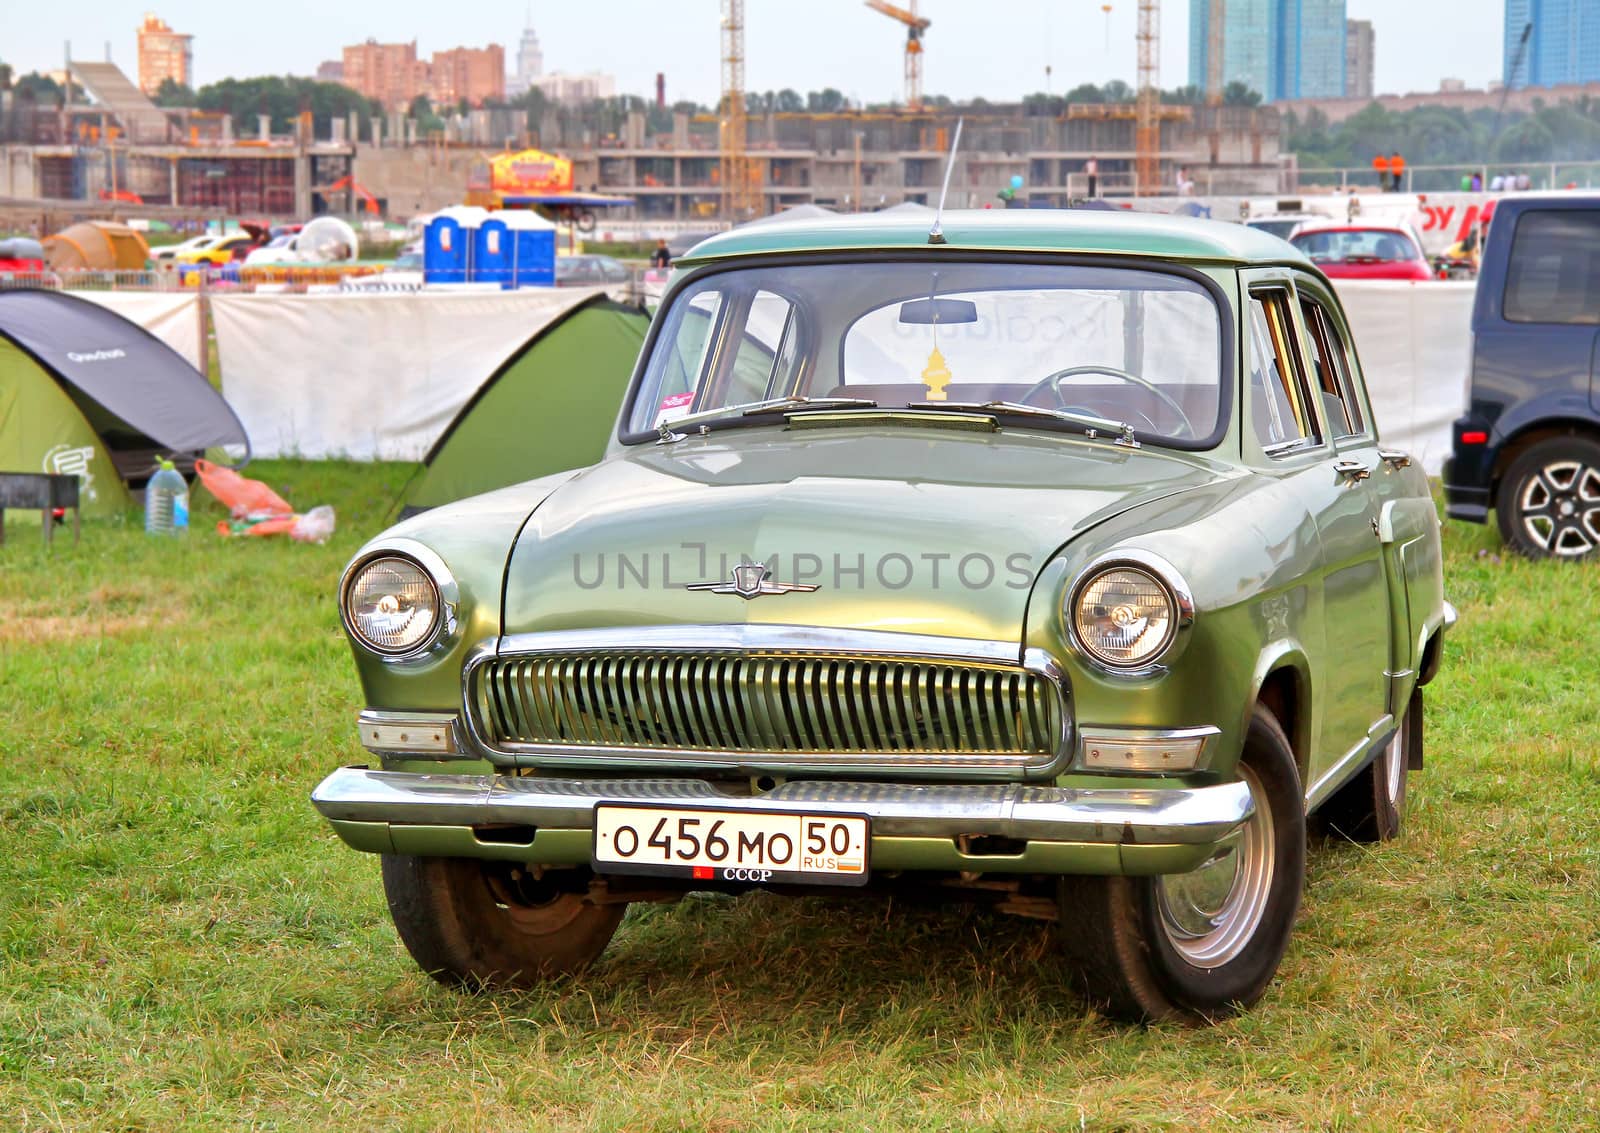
(1040, 829)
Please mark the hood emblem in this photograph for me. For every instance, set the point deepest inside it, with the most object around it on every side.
(750, 580)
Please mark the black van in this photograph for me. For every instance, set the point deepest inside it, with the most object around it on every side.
(1529, 445)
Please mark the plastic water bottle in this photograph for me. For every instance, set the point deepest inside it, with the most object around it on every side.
(166, 502)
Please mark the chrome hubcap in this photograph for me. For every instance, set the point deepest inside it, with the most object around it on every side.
(1395, 769)
(1210, 914)
(1559, 508)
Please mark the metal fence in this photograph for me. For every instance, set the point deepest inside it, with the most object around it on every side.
(205, 280)
(1447, 178)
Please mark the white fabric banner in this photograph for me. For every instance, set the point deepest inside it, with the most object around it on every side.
(1415, 345)
(172, 316)
(368, 376)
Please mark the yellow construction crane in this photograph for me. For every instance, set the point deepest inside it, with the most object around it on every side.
(1216, 43)
(915, 26)
(1146, 132)
(741, 176)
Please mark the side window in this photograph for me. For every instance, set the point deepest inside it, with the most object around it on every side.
(1280, 409)
(763, 366)
(1554, 273)
(1330, 370)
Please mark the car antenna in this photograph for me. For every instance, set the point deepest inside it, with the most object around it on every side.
(936, 233)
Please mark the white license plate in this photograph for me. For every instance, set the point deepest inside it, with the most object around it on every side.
(731, 845)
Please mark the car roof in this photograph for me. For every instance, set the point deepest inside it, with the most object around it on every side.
(1569, 198)
(1116, 232)
(1307, 230)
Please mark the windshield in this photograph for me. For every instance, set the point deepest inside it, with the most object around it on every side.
(1282, 229)
(1358, 245)
(1126, 345)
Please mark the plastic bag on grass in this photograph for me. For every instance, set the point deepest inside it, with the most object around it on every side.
(315, 526)
(255, 509)
(243, 497)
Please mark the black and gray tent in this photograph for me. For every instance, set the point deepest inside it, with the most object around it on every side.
(87, 392)
(547, 408)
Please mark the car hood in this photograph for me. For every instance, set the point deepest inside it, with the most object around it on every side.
(899, 528)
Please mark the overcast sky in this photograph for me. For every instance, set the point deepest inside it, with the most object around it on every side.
(975, 47)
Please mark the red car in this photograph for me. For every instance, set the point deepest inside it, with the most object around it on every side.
(1354, 251)
(20, 254)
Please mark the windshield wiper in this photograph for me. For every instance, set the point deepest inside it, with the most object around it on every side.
(785, 404)
(1093, 426)
(756, 408)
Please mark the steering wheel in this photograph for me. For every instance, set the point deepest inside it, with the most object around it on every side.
(1053, 383)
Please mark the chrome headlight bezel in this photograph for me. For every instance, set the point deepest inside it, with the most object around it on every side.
(446, 598)
(1165, 576)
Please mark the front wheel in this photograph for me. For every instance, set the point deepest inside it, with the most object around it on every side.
(472, 924)
(1200, 945)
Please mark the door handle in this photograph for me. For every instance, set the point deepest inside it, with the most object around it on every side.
(1353, 470)
(1395, 457)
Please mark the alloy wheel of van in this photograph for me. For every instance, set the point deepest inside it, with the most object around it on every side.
(1549, 502)
(475, 924)
(1198, 946)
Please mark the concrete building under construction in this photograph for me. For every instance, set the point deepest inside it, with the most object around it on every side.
(121, 147)
(853, 160)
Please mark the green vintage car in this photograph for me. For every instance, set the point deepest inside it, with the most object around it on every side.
(1045, 559)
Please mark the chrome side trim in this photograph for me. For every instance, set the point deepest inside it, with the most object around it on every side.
(817, 641)
(1139, 816)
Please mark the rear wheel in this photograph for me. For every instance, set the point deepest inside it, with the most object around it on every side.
(1548, 504)
(1371, 807)
(473, 923)
(1199, 945)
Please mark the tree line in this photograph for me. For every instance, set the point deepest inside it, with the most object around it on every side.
(1441, 135)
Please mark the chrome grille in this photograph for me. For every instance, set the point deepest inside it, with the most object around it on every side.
(796, 706)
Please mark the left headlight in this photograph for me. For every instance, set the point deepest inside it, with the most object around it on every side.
(392, 605)
(1125, 616)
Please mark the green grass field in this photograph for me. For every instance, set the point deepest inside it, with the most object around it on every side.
(183, 944)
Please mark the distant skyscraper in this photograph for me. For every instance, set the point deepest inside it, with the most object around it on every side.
(163, 54)
(1279, 48)
(1563, 47)
(471, 74)
(1359, 43)
(388, 72)
(530, 63)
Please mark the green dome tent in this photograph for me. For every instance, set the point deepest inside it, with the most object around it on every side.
(548, 408)
(86, 392)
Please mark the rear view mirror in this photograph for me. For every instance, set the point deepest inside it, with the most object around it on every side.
(923, 312)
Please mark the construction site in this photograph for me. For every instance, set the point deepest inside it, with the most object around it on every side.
(117, 153)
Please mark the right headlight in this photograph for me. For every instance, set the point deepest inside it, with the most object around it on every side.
(1126, 615)
(392, 605)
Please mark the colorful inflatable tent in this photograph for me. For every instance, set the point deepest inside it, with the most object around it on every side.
(549, 407)
(86, 392)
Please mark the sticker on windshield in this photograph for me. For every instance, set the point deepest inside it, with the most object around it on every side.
(674, 406)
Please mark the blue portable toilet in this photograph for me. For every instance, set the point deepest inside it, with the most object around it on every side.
(447, 244)
(492, 253)
(532, 251)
